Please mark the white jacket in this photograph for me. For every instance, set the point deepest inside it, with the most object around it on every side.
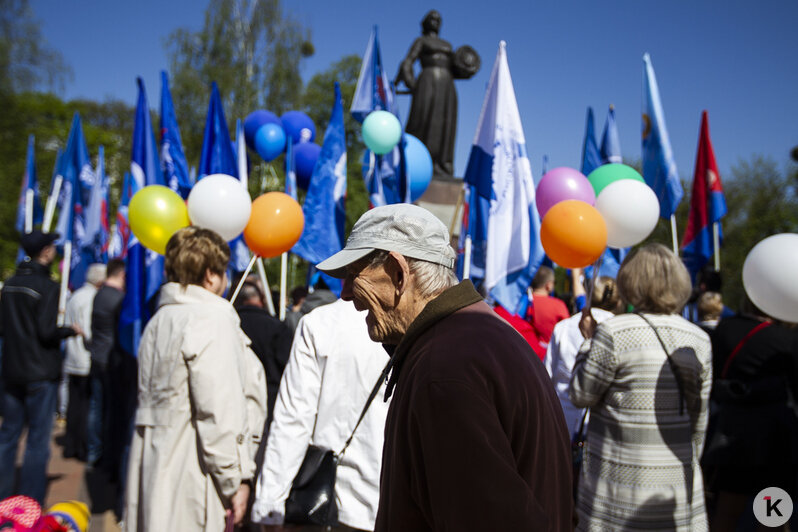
(560, 357)
(201, 398)
(332, 369)
(78, 311)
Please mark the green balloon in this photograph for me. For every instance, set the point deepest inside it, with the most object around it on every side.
(610, 173)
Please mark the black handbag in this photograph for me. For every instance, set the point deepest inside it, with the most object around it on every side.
(311, 500)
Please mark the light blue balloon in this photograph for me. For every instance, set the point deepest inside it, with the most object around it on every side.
(381, 131)
(269, 141)
(418, 163)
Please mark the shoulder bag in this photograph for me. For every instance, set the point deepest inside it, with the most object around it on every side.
(312, 497)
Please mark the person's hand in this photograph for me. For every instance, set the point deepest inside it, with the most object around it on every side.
(238, 503)
(78, 330)
(587, 324)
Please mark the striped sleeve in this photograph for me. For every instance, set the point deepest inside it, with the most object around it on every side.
(594, 369)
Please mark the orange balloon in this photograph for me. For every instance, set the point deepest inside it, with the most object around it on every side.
(275, 224)
(573, 234)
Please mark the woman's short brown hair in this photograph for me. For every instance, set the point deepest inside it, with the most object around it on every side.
(653, 279)
(191, 252)
(709, 306)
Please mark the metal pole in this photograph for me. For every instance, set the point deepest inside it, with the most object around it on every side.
(716, 244)
(673, 234)
(262, 274)
(49, 209)
(283, 282)
(62, 296)
(28, 211)
(467, 258)
(243, 278)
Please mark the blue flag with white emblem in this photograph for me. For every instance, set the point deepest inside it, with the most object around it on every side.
(95, 244)
(324, 208)
(76, 185)
(659, 166)
(144, 270)
(504, 225)
(173, 160)
(29, 209)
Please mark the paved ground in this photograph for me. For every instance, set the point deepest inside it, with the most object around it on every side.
(69, 480)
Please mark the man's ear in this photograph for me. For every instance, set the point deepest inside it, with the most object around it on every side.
(399, 270)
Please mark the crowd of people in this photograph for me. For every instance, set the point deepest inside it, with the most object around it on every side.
(638, 403)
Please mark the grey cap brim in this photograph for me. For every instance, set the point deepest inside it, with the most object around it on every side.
(335, 266)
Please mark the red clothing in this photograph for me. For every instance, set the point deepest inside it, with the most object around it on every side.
(518, 323)
(544, 313)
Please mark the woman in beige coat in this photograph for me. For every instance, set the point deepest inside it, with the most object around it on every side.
(201, 399)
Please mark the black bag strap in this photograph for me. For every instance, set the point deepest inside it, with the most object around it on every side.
(671, 363)
(372, 395)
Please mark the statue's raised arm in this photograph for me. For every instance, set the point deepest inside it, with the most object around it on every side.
(433, 112)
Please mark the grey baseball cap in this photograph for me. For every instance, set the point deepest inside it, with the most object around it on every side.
(405, 228)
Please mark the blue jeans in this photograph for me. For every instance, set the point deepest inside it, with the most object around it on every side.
(33, 404)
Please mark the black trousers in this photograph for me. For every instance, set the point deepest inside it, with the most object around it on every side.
(76, 437)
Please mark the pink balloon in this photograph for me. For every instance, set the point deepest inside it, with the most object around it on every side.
(560, 184)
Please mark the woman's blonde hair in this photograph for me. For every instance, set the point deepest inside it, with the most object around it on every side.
(191, 252)
(653, 279)
(709, 306)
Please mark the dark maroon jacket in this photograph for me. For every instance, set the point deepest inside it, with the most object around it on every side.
(475, 438)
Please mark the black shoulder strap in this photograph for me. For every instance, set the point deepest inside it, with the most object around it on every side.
(372, 395)
(671, 363)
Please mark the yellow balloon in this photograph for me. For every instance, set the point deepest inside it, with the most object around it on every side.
(155, 213)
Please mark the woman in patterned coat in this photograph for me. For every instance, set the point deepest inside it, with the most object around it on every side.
(646, 378)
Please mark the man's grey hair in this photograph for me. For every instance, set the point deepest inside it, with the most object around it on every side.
(431, 278)
(95, 274)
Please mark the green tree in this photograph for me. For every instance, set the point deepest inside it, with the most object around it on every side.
(251, 48)
(26, 61)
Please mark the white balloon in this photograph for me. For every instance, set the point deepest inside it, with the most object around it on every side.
(630, 209)
(220, 203)
(770, 277)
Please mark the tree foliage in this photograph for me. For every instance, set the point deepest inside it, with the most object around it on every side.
(26, 62)
(251, 48)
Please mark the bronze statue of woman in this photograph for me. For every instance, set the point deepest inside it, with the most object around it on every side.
(433, 112)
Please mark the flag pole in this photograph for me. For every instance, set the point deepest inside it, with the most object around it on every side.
(62, 296)
(467, 258)
(716, 244)
(243, 278)
(49, 209)
(268, 294)
(28, 210)
(283, 282)
(673, 234)
(457, 206)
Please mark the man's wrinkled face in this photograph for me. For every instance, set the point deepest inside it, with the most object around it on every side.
(372, 288)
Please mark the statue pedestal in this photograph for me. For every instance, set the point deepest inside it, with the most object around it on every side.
(440, 199)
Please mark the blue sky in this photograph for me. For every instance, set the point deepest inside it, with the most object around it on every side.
(737, 59)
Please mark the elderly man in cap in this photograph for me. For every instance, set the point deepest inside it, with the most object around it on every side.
(475, 438)
(31, 365)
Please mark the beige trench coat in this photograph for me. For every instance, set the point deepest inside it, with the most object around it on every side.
(201, 410)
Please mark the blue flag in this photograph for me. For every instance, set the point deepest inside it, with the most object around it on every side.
(217, 156)
(659, 166)
(77, 180)
(610, 141)
(290, 170)
(94, 245)
(173, 160)
(239, 252)
(590, 153)
(384, 174)
(144, 270)
(324, 208)
(120, 237)
(29, 183)
(504, 224)
(220, 157)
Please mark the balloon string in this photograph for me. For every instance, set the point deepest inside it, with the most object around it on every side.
(243, 278)
(596, 268)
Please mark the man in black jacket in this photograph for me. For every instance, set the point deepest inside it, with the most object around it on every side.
(31, 365)
(271, 339)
